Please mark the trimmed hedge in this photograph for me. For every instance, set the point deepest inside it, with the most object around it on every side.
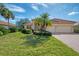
(13, 29)
(44, 33)
(26, 31)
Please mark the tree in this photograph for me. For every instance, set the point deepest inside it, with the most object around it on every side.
(22, 22)
(1, 7)
(37, 23)
(43, 21)
(6, 13)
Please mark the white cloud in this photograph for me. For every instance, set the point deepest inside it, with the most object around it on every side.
(44, 5)
(35, 7)
(51, 17)
(15, 8)
(20, 17)
(73, 13)
(13, 21)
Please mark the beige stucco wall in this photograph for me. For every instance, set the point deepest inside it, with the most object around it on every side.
(61, 28)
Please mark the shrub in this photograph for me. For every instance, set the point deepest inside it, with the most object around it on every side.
(13, 29)
(48, 34)
(44, 33)
(4, 30)
(26, 31)
(1, 33)
(20, 29)
(1, 28)
(76, 29)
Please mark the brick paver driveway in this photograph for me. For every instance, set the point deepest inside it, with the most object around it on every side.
(72, 40)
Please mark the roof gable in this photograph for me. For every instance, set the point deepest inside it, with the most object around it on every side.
(61, 21)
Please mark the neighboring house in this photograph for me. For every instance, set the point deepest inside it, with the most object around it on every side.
(28, 25)
(5, 24)
(61, 26)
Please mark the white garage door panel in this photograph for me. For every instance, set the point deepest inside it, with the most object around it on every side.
(52, 29)
(63, 29)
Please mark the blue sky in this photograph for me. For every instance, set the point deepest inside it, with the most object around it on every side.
(55, 10)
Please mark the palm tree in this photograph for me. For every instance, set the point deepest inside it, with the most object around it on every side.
(6, 13)
(43, 21)
(1, 7)
(37, 23)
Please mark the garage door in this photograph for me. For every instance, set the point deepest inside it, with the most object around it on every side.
(63, 29)
(60, 29)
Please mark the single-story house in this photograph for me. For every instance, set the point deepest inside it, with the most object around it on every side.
(28, 25)
(5, 24)
(58, 26)
(61, 26)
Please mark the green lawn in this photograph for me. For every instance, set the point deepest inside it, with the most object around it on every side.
(17, 44)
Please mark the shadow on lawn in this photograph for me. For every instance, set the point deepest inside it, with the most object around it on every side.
(34, 40)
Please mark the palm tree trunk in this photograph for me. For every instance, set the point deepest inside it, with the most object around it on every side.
(8, 23)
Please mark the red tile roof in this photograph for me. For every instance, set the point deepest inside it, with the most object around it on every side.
(61, 21)
(6, 23)
(29, 24)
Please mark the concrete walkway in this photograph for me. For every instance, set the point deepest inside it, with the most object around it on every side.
(72, 40)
